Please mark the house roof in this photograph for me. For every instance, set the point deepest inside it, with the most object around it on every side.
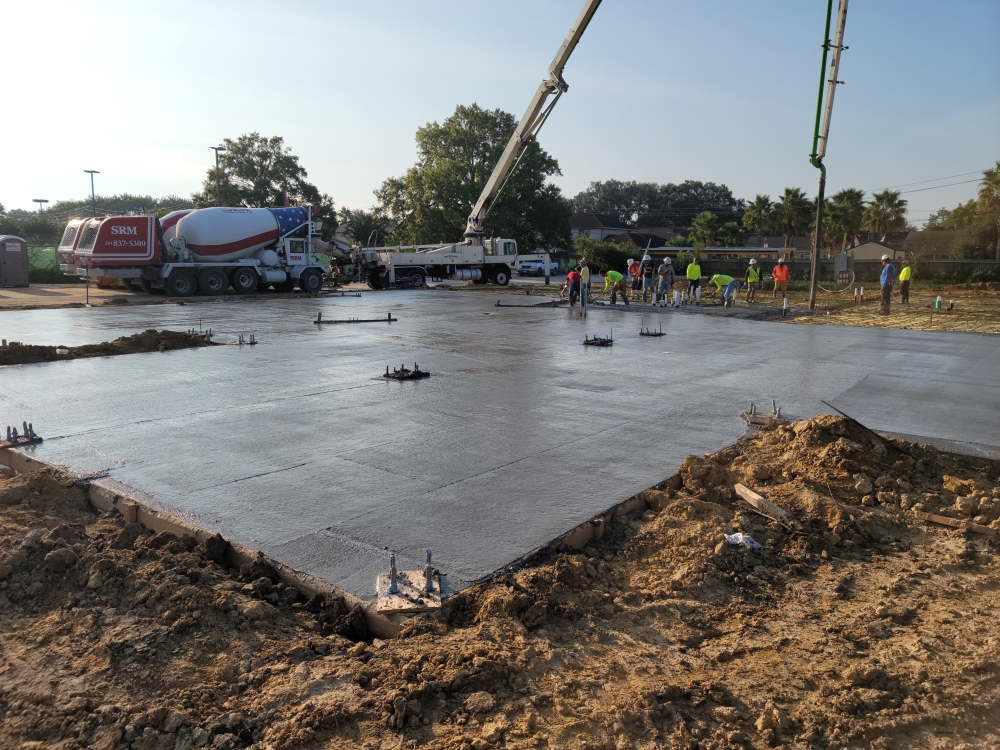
(642, 240)
(667, 233)
(589, 220)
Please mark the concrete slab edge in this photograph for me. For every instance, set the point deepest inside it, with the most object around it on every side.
(134, 511)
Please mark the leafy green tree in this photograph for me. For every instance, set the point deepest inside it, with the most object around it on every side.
(759, 216)
(704, 228)
(256, 172)
(956, 219)
(794, 213)
(843, 217)
(3, 211)
(730, 235)
(603, 256)
(678, 241)
(365, 227)
(658, 205)
(433, 200)
(989, 201)
(885, 213)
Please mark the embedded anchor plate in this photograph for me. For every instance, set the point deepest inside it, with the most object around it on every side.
(411, 597)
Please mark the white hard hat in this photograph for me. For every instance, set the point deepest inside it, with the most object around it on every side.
(631, 261)
(886, 257)
(668, 260)
(753, 261)
(646, 257)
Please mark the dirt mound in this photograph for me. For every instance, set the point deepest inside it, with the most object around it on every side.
(16, 353)
(852, 624)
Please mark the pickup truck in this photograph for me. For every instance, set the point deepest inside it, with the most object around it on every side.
(536, 268)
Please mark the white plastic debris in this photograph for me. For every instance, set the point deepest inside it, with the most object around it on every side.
(745, 539)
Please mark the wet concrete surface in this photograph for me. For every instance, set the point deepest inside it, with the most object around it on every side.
(299, 448)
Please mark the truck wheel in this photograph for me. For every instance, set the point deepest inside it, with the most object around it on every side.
(419, 277)
(374, 280)
(501, 277)
(245, 280)
(310, 281)
(213, 281)
(181, 283)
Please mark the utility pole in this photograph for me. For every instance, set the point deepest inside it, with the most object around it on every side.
(93, 199)
(40, 202)
(820, 137)
(218, 180)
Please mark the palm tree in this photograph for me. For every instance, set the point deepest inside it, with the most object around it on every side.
(844, 212)
(759, 216)
(989, 198)
(704, 227)
(794, 212)
(886, 213)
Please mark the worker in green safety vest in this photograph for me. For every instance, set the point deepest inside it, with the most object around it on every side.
(616, 283)
(727, 285)
(693, 275)
(753, 281)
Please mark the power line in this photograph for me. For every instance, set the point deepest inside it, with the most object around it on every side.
(936, 179)
(935, 187)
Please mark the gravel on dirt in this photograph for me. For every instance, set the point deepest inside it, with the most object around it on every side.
(152, 340)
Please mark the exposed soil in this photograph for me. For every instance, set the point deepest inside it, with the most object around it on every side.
(866, 629)
(16, 353)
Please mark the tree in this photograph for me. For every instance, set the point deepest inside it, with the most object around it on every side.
(957, 219)
(3, 211)
(659, 205)
(759, 216)
(256, 172)
(989, 201)
(730, 235)
(433, 200)
(885, 213)
(843, 217)
(365, 227)
(704, 228)
(794, 213)
(603, 256)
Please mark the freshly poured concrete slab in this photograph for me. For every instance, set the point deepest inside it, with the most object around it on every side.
(297, 446)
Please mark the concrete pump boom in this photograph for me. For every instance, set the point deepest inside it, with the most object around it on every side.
(530, 123)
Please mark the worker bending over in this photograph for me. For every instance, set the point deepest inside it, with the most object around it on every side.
(694, 281)
(616, 283)
(573, 280)
(727, 285)
(753, 280)
(665, 274)
(781, 274)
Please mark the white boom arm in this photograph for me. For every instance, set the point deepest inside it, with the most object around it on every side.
(532, 120)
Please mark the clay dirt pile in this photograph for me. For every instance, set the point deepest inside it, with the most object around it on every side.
(16, 353)
(865, 627)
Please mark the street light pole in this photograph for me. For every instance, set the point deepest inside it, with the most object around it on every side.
(218, 179)
(93, 199)
(40, 202)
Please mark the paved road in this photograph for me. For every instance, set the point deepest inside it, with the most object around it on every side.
(297, 447)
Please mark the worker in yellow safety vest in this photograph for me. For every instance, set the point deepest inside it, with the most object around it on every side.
(904, 282)
(753, 280)
(694, 281)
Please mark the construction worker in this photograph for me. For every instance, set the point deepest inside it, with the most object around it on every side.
(647, 272)
(886, 280)
(781, 274)
(585, 274)
(753, 280)
(616, 283)
(694, 281)
(573, 280)
(666, 280)
(727, 285)
(904, 282)
(633, 273)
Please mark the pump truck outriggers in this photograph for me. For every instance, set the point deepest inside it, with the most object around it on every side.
(476, 258)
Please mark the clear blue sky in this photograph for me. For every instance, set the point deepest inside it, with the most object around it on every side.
(660, 90)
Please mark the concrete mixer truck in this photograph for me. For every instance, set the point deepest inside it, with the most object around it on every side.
(205, 250)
